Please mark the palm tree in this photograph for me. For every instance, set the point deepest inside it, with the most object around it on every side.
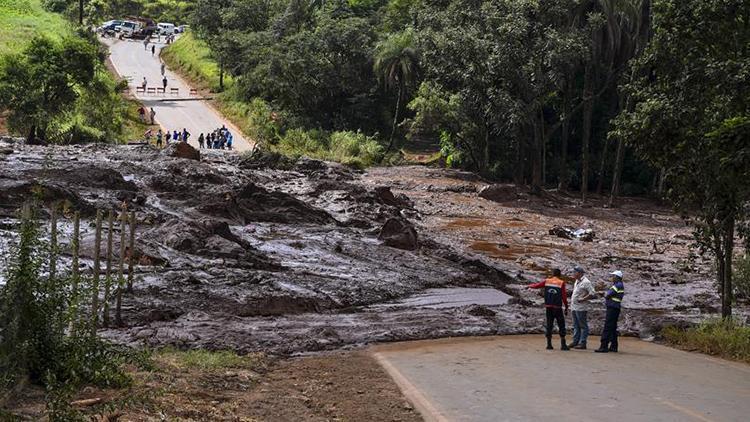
(396, 64)
(614, 43)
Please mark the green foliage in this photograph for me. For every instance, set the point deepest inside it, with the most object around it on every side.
(351, 148)
(97, 11)
(39, 84)
(742, 277)
(690, 91)
(726, 338)
(35, 339)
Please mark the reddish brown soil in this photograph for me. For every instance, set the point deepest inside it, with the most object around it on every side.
(342, 386)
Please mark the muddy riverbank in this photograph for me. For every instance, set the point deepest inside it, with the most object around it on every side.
(284, 256)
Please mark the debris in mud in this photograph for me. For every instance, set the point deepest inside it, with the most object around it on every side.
(499, 193)
(480, 311)
(585, 235)
(399, 233)
(182, 150)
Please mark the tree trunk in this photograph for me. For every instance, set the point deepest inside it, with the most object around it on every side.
(588, 111)
(31, 139)
(395, 122)
(662, 180)
(536, 161)
(543, 140)
(131, 253)
(726, 280)
(518, 169)
(53, 244)
(80, 12)
(562, 184)
(121, 266)
(95, 277)
(108, 272)
(221, 75)
(602, 168)
(619, 161)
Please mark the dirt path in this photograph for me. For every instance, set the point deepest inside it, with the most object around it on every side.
(513, 378)
(342, 386)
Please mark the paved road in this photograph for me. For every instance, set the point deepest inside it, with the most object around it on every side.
(133, 62)
(514, 379)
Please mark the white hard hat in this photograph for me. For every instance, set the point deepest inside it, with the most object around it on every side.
(617, 273)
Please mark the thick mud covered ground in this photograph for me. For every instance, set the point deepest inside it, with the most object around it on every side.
(259, 253)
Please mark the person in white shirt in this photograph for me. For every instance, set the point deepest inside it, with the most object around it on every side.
(583, 293)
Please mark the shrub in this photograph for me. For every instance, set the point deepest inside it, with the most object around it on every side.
(355, 148)
(726, 338)
(742, 277)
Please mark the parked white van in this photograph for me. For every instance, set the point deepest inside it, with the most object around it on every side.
(166, 28)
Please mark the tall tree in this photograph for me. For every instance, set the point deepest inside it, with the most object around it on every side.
(690, 93)
(396, 64)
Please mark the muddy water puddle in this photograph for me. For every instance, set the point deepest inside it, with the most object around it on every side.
(471, 223)
(507, 252)
(452, 297)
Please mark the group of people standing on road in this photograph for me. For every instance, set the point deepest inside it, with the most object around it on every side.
(167, 137)
(220, 138)
(582, 299)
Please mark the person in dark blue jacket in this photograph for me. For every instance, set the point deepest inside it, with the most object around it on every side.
(613, 298)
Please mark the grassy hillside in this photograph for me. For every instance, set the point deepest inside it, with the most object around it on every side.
(192, 58)
(20, 20)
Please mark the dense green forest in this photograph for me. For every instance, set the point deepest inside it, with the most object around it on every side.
(539, 92)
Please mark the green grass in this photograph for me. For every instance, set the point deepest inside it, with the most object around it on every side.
(192, 58)
(21, 20)
(132, 128)
(728, 339)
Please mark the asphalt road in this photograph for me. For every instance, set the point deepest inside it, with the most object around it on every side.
(514, 379)
(132, 61)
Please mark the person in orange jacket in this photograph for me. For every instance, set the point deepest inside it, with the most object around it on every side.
(555, 297)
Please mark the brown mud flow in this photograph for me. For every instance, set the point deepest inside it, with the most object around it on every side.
(264, 253)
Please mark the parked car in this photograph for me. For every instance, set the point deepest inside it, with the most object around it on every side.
(180, 29)
(110, 25)
(166, 28)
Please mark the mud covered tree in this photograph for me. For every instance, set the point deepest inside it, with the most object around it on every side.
(39, 84)
(690, 96)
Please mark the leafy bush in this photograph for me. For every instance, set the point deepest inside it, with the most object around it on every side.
(727, 338)
(355, 149)
(742, 277)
